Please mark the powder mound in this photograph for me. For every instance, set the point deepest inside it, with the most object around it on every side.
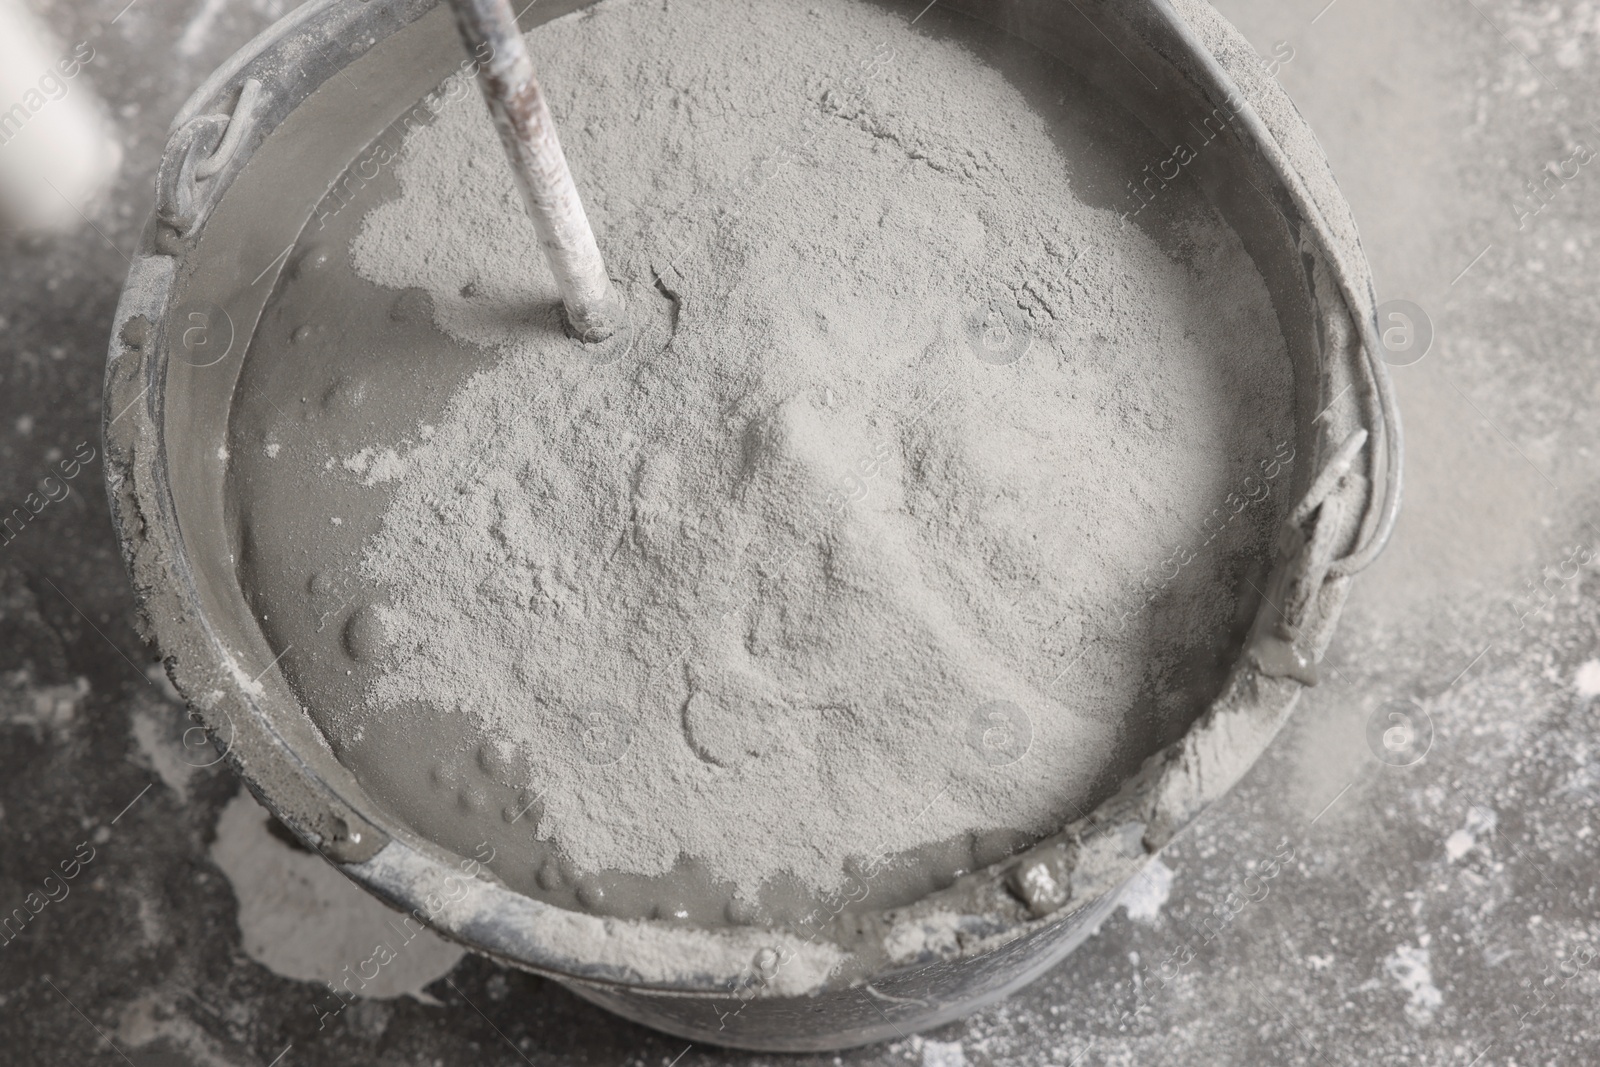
(806, 584)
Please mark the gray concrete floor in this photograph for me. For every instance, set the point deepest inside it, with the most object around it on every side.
(1439, 913)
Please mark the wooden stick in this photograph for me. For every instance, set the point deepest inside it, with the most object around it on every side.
(516, 103)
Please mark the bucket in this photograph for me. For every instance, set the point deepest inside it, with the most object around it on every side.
(297, 105)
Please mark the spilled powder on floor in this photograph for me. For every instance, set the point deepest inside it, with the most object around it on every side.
(816, 581)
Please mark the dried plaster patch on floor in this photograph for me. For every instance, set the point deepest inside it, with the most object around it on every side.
(1411, 968)
(1587, 680)
(151, 1020)
(302, 919)
(44, 708)
(161, 732)
(1143, 897)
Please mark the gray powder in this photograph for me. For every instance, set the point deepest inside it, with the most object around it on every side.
(826, 574)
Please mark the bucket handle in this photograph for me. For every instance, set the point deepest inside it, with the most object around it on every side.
(197, 152)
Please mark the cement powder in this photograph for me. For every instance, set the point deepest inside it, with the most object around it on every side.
(818, 580)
